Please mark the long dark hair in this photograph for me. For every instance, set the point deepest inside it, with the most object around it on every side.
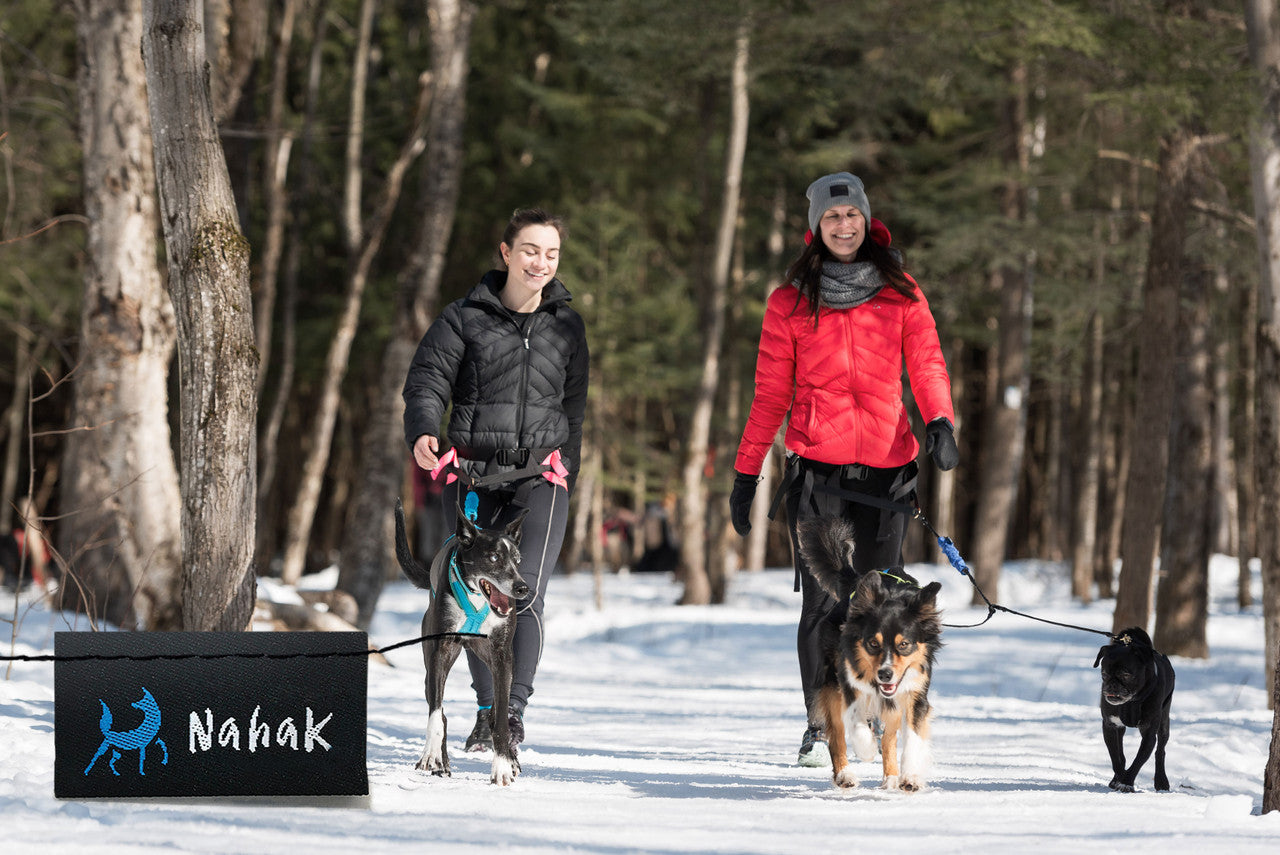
(806, 270)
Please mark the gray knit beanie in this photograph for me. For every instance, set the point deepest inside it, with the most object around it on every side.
(840, 188)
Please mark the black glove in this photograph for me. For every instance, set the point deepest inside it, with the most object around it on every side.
(941, 444)
(744, 491)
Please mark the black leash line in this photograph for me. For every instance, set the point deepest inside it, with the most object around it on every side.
(157, 657)
(953, 557)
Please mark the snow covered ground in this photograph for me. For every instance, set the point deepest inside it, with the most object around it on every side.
(660, 729)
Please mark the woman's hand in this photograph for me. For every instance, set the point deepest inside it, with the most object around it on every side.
(424, 452)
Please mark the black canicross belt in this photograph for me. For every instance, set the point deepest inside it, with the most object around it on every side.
(797, 469)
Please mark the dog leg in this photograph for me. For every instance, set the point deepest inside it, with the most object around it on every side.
(1145, 747)
(505, 765)
(439, 659)
(435, 756)
(831, 709)
(916, 754)
(892, 720)
(863, 739)
(1162, 780)
(1113, 737)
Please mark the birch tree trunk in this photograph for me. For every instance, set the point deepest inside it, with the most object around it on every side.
(1149, 456)
(697, 584)
(121, 531)
(367, 538)
(209, 284)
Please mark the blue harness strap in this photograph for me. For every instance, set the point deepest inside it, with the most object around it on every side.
(462, 595)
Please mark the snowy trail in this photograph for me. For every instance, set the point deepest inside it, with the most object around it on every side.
(658, 729)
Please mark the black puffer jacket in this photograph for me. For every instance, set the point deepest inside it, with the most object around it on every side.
(515, 381)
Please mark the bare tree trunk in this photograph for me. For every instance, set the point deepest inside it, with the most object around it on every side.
(1003, 436)
(1182, 595)
(758, 537)
(1244, 431)
(268, 442)
(276, 167)
(1263, 25)
(1144, 501)
(697, 589)
(302, 514)
(1085, 514)
(235, 32)
(120, 483)
(209, 284)
(23, 363)
(366, 544)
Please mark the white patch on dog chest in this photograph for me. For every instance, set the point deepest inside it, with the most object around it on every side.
(1115, 721)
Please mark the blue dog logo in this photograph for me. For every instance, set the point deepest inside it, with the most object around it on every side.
(131, 740)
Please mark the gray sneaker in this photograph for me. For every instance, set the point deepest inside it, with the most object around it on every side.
(813, 748)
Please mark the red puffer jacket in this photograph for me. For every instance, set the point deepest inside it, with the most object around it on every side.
(842, 381)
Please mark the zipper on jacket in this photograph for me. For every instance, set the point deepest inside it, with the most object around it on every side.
(525, 334)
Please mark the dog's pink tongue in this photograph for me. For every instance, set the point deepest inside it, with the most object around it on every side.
(500, 602)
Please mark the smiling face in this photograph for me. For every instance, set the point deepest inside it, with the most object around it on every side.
(843, 229)
(531, 258)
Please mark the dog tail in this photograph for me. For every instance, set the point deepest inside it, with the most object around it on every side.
(826, 546)
(417, 574)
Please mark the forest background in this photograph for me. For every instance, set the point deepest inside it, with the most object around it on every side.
(220, 250)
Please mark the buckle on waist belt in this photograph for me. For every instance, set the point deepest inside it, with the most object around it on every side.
(511, 456)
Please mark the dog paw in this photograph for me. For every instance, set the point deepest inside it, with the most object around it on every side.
(845, 778)
(890, 782)
(439, 770)
(504, 771)
(434, 762)
(1162, 784)
(1120, 786)
(910, 784)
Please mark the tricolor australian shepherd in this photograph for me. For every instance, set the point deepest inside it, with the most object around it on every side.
(880, 640)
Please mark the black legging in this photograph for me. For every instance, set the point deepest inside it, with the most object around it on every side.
(878, 545)
(541, 536)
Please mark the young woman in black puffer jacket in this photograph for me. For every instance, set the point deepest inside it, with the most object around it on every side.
(512, 358)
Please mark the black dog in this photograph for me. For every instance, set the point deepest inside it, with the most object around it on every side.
(474, 583)
(1137, 690)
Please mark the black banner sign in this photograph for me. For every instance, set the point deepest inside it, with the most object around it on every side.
(146, 714)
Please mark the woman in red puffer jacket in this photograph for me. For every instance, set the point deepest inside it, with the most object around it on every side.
(834, 341)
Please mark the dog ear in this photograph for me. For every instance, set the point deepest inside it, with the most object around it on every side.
(929, 593)
(1101, 652)
(513, 527)
(868, 594)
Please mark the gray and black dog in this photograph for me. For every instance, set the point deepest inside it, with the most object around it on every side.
(474, 583)
(1137, 691)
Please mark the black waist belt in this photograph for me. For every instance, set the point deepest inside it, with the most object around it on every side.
(902, 487)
